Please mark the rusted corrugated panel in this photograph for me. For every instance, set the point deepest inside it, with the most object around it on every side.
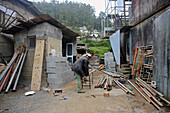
(38, 20)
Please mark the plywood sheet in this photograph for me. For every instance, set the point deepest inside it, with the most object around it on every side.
(37, 66)
(56, 44)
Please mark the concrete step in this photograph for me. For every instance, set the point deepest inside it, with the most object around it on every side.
(126, 69)
(125, 65)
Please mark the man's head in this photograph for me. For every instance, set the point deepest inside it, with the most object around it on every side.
(88, 56)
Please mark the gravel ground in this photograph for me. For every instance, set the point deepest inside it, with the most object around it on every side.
(44, 102)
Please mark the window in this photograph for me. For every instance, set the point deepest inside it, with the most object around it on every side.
(31, 41)
(69, 49)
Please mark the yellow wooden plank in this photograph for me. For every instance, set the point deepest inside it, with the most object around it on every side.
(37, 66)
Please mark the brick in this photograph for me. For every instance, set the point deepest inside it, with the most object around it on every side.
(56, 69)
(55, 86)
(55, 80)
(56, 59)
(63, 64)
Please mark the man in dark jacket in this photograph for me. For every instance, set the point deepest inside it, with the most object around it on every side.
(81, 68)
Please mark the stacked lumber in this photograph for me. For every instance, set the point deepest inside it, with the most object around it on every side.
(101, 67)
(104, 82)
(150, 94)
(10, 75)
(125, 89)
(143, 63)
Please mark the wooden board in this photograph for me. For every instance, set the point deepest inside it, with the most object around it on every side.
(56, 44)
(37, 66)
(140, 64)
(136, 53)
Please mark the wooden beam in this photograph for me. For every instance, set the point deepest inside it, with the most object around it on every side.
(37, 66)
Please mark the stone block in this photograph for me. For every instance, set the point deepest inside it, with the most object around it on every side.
(55, 86)
(56, 69)
(59, 64)
(55, 59)
(55, 80)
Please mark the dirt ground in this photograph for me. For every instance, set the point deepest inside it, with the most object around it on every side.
(44, 102)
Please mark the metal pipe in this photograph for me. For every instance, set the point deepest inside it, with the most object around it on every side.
(13, 75)
(139, 91)
(144, 95)
(144, 90)
(149, 89)
(126, 88)
(7, 67)
(8, 19)
(19, 72)
(6, 77)
(165, 100)
(120, 86)
(160, 94)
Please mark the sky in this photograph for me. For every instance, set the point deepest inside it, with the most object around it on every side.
(99, 5)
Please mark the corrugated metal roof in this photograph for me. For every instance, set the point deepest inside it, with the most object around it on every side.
(30, 5)
(38, 20)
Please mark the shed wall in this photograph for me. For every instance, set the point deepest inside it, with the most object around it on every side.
(155, 31)
(142, 8)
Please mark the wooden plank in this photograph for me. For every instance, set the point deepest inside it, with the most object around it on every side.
(136, 53)
(141, 62)
(37, 66)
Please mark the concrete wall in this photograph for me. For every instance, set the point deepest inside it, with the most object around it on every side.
(26, 12)
(161, 52)
(6, 47)
(44, 29)
(59, 73)
(13, 5)
(155, 31)
(53, 39)
(142, 8)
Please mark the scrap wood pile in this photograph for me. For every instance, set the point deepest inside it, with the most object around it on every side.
(106, 82)
(10, 75)
(149, 93)
(143, 63)
(101, 67)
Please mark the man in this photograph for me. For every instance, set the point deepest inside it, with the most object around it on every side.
(81, 68)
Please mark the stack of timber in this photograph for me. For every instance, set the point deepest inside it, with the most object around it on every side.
(101, 67)
(11, 74)
(151, 95)
(125, 89)
(143, 63)
(104, 82)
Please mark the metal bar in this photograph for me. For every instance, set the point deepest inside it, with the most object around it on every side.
(19, 72)
(144, 95)
(6, 77)
(124, 12)
(160, 94)
(126, 88)
(13, 75)
(120, 86)
(10, 23)
(165, 100)
(7, 67)
(139, 91)
(150, 95)
(145, 86)
(8, 19)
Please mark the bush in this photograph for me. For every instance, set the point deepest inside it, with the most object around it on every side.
(98, 47)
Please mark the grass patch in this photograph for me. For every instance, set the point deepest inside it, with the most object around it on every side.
(98, 47)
